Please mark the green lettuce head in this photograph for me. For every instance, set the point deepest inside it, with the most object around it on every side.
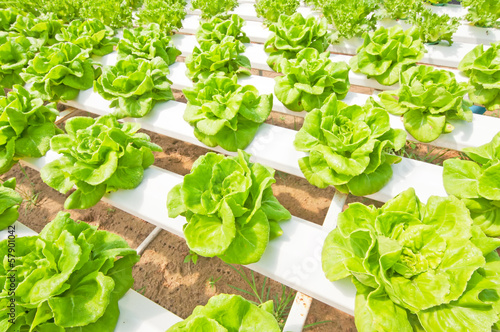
(135, 85)
(483, 13)
(226, 312)
(59, 72)
(98, 156)
(214, 58)
(69, 277)
(15, 52)
(147, 43)
(477, 183)
(215, 29)
(8, 16)
(348, 147)
(41, 30)
(168, 14)
(416, 267)
(90, 35)
(270, 10)
(386, 53)
(483, 69)
(10, 200)
(26, 127)
(229, 206)
(225, 113)
(291, 34)
(427, 99)
(434, 27)
(210, 8)
(310, 79)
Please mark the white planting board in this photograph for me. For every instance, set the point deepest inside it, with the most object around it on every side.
(137, 313)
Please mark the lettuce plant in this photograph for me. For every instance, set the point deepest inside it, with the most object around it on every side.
(398, 9)
(26, 127)
(10, 200)
(215, 29)
(433, 27)
(60, 72)
(69, 277)
(8, 16)
(15, 52)
(135, 85)
(310, 79)
(350, 18)
(483, 13)
(385, 53)
(229, 206)
(113, 13)
(476, 182)
(213, 58)
(98, 156)
(225, 113)
(41, 30)
(270, 10)
(211, 8)
(348, 147)
(225, 312)
(416, 267)
(291, 34)
(147, 43)
(483, 69)
(427, 99)
(167, 13)
(90, 35)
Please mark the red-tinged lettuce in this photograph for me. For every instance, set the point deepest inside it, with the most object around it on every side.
(69, 277)
(348, 147)
(41, 30)
(90, 35)
(229, 206)
(310, 79)
(477, 183)
(147, 43)
(215, 29)
(226, 312)
(427, 100)
(434, 28)
(225, 113)
(15, 52)
(211, 8)
(59, 72)
(10, 200)
(416, 267)
(168, 14)
(386, 53)
(483, 69)
(26, 127)
(217, 58)
(135, 85)
(270, 10)
(98, 156)
(483, 13)
(292, 34)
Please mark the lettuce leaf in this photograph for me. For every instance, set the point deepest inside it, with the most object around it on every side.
(433, 28)
(427, 99)
(210, 9)
(147, 43)
(476, 183)
(483, 13)
(386, 53)
(168, 14)
(310, 79)
(483, 69)
(229, 206)
(41, 30)
(270, 10)
(416, 267)
(225, 113)
(291, 34)
(348, 147)
(10, 200)
(90, 35)
(26, 127)
(98, 156)
(215, 29)
(15, 52)
(70, 276)
(59, 72)
(135, 85)
(225, 312)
